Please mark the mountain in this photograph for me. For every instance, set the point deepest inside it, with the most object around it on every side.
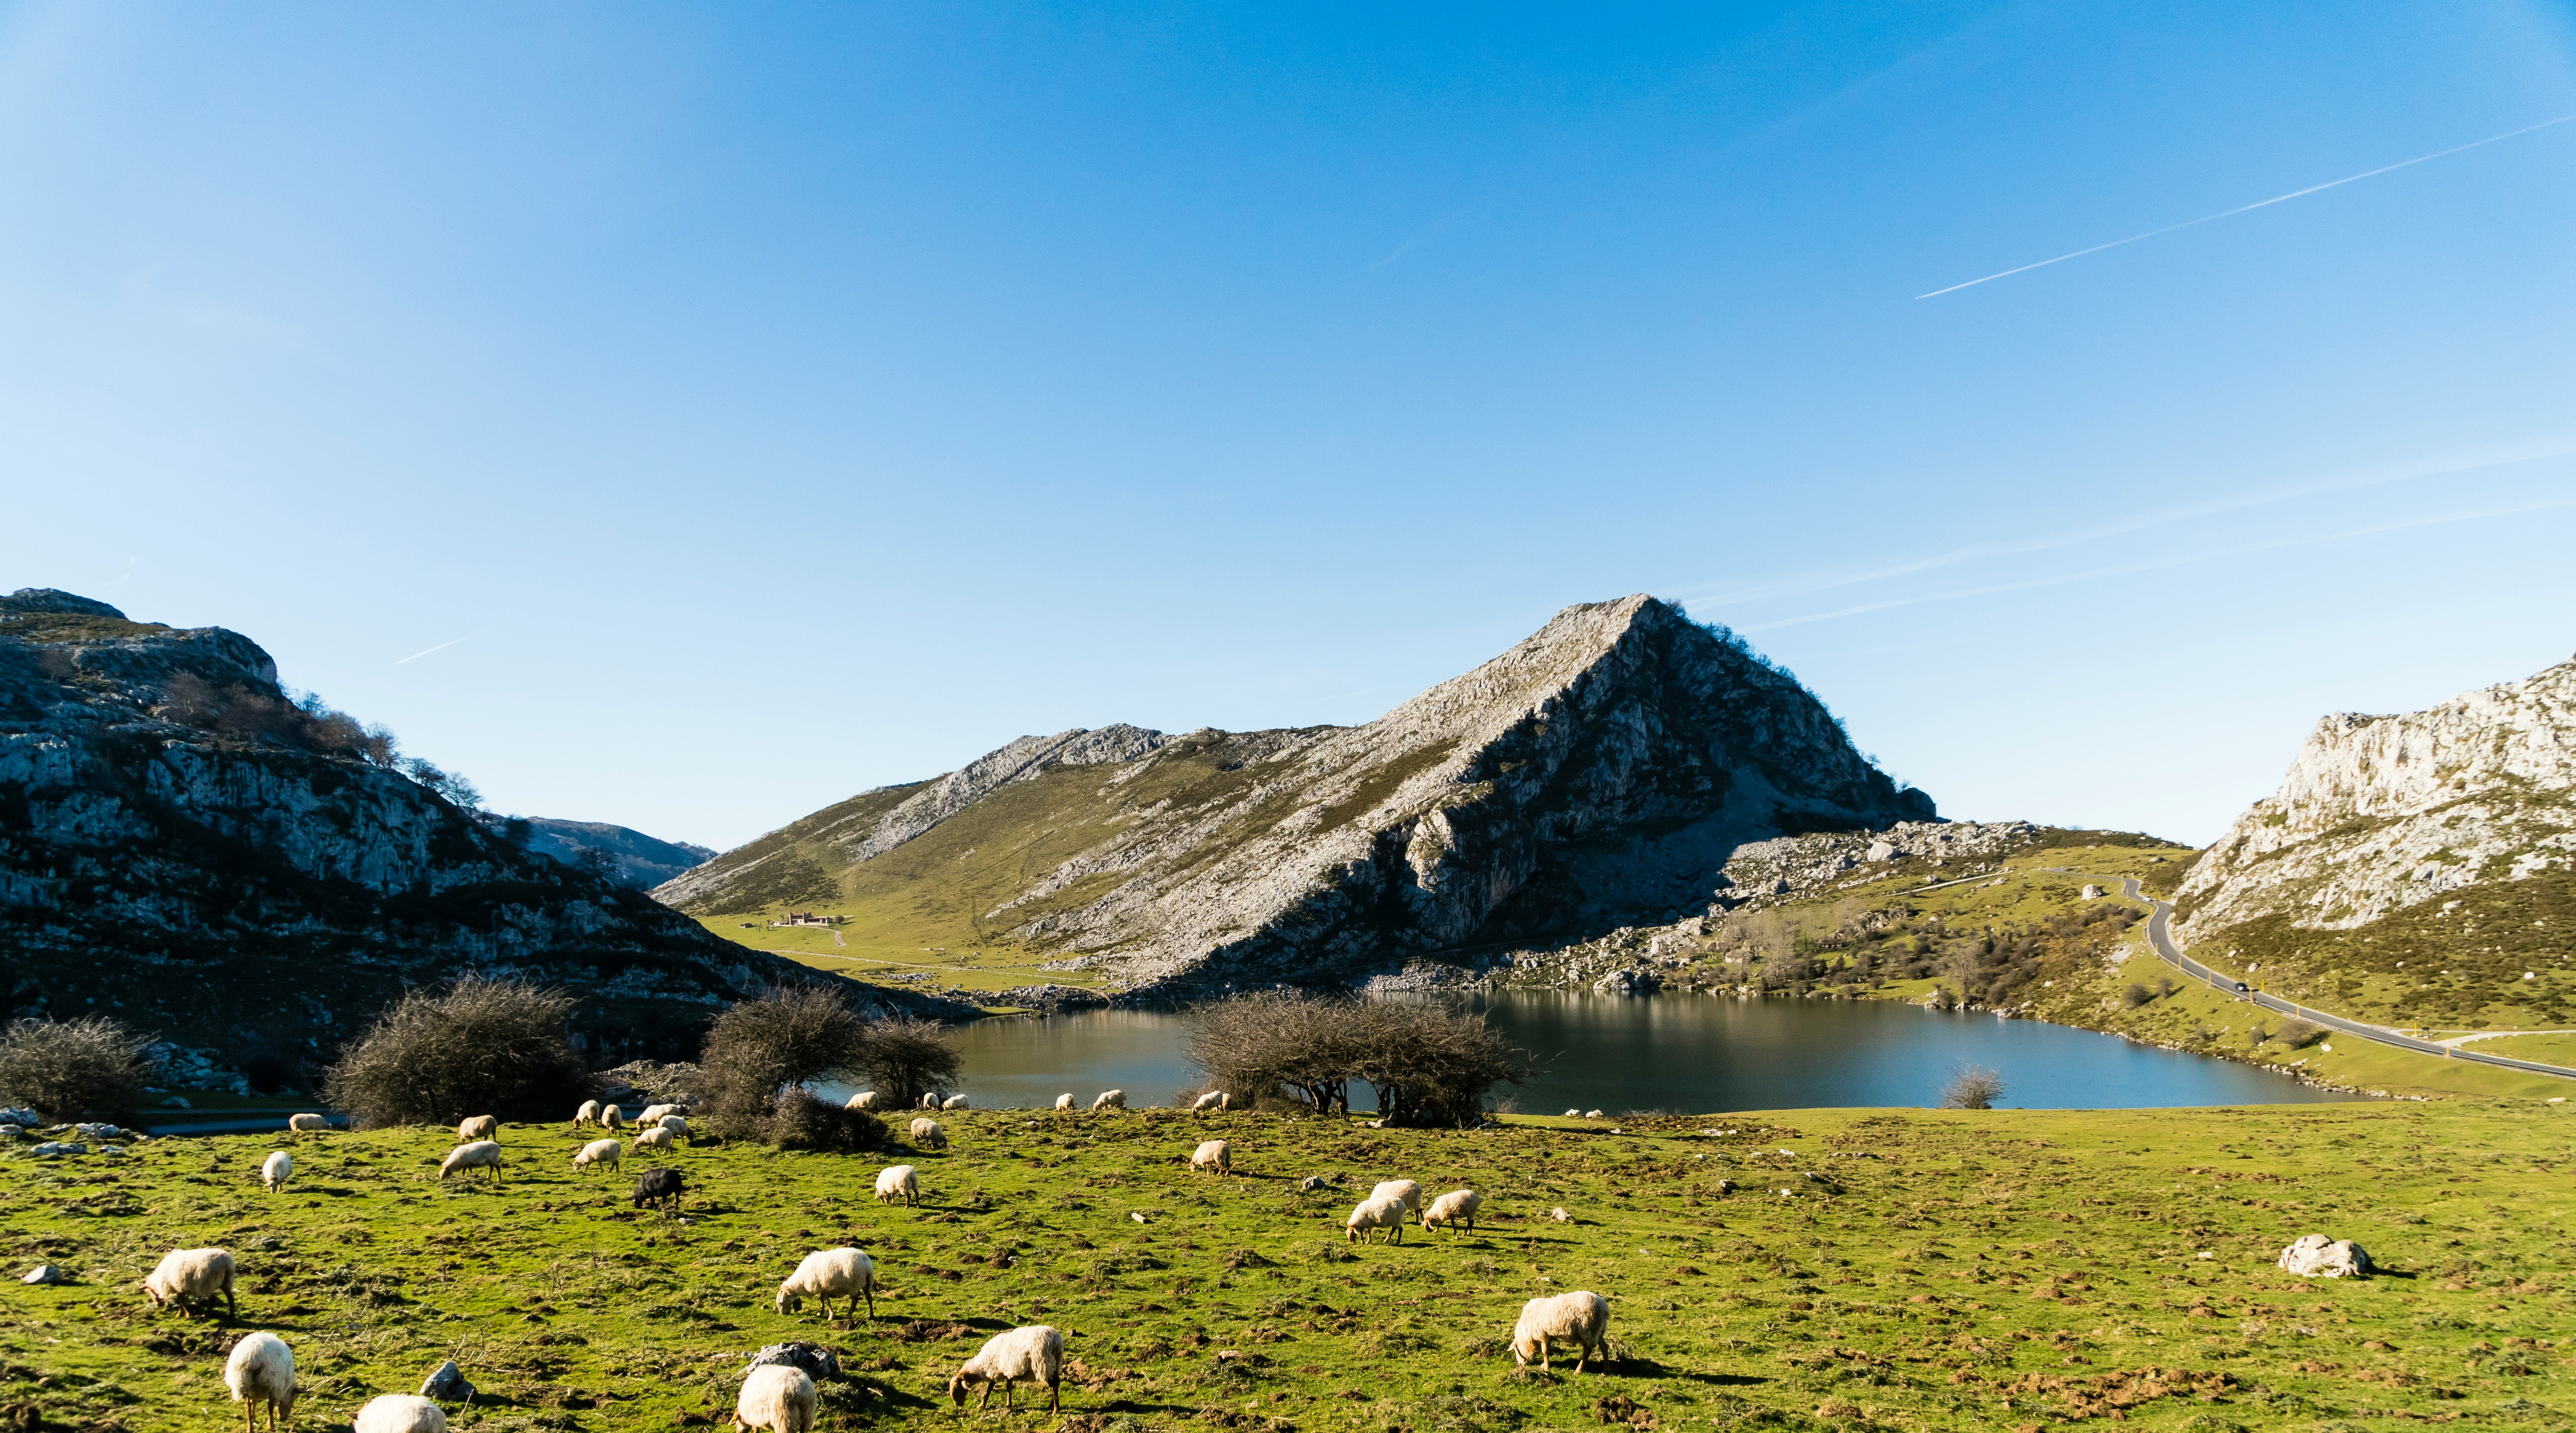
(183, 847)
(2411, 867)
(635, 860)
(1599, 773)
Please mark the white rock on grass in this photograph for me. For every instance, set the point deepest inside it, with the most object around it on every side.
(2316, 1256)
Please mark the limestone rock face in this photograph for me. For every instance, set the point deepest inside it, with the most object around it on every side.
(1600, 772)
(232, 885)
(2316, 1256)
(2381, 812)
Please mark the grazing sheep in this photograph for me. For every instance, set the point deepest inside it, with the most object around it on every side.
(1064, 1101)
(611, 1117)
(477, 1127)
(1375, 1213)
(776, 1398)
(1110, 1100)
(308, 1124)
(600, 1151)
(863, 1100)
(1033, 1351)
(662, 1186)
(1592, 1114)
(275, 1170)
(1581, 1318)
(262, 1370)
(928, 1134)
(829, 1274)
(1574, 1114)
(1400, 1189)
(481, 1154)
(1213, 1154)
(587, 1115)
(1453, 1207)
(653, 1115)
(188, 1277)
(657, 1138)
(930, 1101)
(676, 1126)
(1213, 1100)
(400, 1413)
(900, 1181)
(954, 1102)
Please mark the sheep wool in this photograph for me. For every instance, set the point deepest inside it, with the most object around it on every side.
(1212, 1100)
(863, 1100)
(1375, 1213)
(1032, 1352)
(954, 1102)
(481, 1154)
(1456, 1207)
(652, 1115)
(307, 1124)
(400, 1413)
(930, 1101)
(1401, 1189)
(588, 1114)
(260, 1372)
(1213, 1154)
(676, 1126)
(1110, 1100)
(477, 1127)
(598, 1152)
(828, 1274)
(657, 1138)
(928, 1134)
(775, 1398)
(1064, 1101)
(189, 1277)
(900, 1181)
(611, 1117)
(1581, 1318)
(275, 1170)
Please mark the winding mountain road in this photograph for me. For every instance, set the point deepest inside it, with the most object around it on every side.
(2160, 937)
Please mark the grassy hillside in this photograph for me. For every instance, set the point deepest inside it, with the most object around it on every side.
(1924, 1270)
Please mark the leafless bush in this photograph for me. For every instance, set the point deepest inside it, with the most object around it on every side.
(1427, 1064)
(68, 1069)
(762, 1047)
(2298, 1034)
(799, 1120)
(908, 1058)
(2135, 996)
(1974, 1088)
(479, 1047)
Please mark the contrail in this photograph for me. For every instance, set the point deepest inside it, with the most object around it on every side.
(2248, 208)
(441, 647)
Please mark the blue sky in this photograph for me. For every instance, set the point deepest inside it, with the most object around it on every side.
(770, 402)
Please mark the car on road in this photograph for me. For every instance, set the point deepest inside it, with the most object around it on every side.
(2240, 987)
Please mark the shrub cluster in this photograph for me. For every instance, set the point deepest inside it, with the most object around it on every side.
(243, 712)
(479, 1047)
(764, 1051)
(1427, 1065)
(92, 1067)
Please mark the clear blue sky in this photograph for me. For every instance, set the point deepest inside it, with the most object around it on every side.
(769, 402)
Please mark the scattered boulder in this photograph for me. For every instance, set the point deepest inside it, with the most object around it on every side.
(816, 1360)
(47, 1274)
(448, 1385)
(2092, 893)
(2316, 1256)
(53, 1147)
(24, 1119)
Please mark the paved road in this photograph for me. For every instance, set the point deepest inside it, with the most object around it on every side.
(2160, 936)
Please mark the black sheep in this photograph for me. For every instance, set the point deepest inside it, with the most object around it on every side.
(659, 1185)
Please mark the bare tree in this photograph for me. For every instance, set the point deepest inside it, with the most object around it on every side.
(1426, 1064)
(908, 1058)
(70, 1068)
(1974, 1088)
(479, 1047)
(761, 1048)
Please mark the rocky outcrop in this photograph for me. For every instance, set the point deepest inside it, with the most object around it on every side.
(1602, 772)
(2380, 813)
(182, 848)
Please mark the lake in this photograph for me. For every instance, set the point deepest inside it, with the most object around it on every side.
(1692, 1054)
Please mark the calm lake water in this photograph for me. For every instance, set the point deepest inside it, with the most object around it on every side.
(1695, 1054)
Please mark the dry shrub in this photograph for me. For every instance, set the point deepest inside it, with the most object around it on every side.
(2298, 1034)
(775, 1042)
(908, 1058)
(71, 1069)
(799, 1120)
(479, 1047)
(1974, 1088)
(1428, 1065)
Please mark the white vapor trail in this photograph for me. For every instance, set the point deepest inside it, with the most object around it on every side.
(441, 647)
(2248, 208)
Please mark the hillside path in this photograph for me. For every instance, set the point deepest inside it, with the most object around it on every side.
(2160, 937)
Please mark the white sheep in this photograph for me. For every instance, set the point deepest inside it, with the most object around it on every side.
(1404, 1190)
(863, 1100)
(1213, 1100)
(600, 1151)
(1110, 1100)
(955, 1102)
(1581, 1318)
(307, 1124)
(1213, 1154)
(188, 1277)
(928, 1134)
(1064, 1101)
(930, 1101)
(657, 1138)
(611, 1117)
(1453, 1207)
(900, 1181)
(275, 1170)
(777, 1398)
(828, 1274)
(1592, 1114)
(481, 1154)
(262, 1370)
(676, 1126)
(400, 1413)
(653, 1115)
(477, 1127)
(1033, 1352)
(1574, 1114)
(587, 1115)
(1375, 1213)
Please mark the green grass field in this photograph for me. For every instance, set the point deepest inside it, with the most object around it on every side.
(1924, 1270)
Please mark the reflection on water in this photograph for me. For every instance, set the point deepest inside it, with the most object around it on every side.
(1685, 1053)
